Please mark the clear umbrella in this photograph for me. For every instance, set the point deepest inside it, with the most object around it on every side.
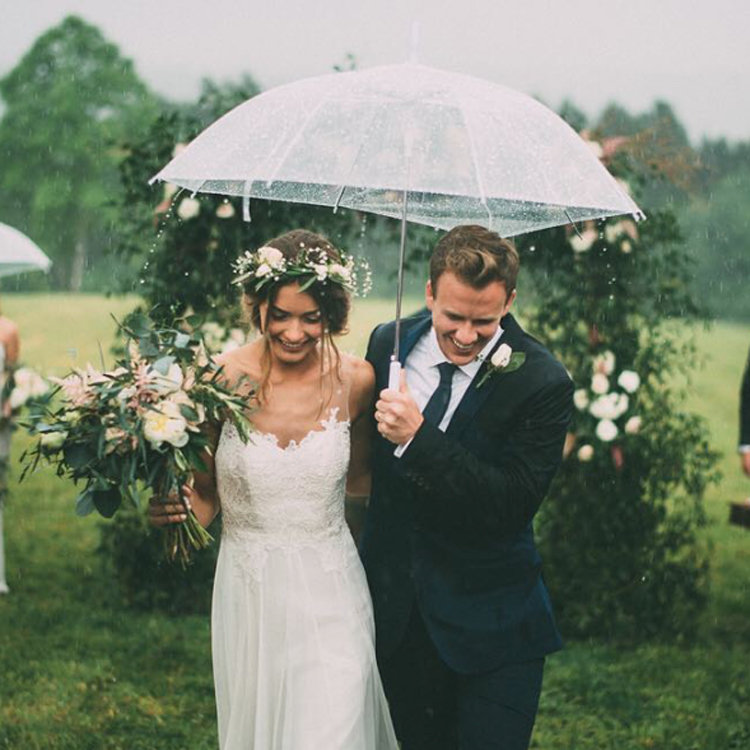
(405, 141)
(18, 254)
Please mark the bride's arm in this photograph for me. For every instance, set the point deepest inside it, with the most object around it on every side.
(361, 410)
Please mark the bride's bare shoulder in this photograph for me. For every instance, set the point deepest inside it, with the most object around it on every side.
(240, 364)
(360, 374)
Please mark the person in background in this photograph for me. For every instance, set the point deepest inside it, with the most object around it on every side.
(9, 348)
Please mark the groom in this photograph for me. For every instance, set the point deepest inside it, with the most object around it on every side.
(465, 454)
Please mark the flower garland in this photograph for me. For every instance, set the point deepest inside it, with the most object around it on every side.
(269, 265)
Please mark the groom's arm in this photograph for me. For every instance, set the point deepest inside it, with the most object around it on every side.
(501, 497)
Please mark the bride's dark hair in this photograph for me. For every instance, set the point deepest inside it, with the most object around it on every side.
(333, 300)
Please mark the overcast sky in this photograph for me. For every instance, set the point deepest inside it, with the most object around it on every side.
(692, 54)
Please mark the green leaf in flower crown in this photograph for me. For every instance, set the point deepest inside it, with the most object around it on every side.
(85, 504)
(162, 365)
(107, 501)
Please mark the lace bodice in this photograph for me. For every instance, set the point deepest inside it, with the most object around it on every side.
(283, 497)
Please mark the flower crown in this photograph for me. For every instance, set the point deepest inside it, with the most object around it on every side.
(268, 265)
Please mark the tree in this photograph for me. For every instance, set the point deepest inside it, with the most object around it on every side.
(69, 103)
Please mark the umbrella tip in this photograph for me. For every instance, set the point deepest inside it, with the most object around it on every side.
(415, 31)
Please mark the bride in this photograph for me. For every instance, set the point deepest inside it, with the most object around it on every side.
(292, 624)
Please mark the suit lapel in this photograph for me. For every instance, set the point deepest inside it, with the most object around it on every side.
(475, 397)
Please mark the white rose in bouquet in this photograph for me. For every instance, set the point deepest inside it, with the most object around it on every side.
(53, 441)
(167, 383)
(165, 424)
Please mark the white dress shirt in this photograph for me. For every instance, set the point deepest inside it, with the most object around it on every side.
(423, 376)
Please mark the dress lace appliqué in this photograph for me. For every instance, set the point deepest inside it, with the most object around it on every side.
(276, 498)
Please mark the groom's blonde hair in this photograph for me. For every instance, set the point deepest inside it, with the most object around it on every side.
(477, 256)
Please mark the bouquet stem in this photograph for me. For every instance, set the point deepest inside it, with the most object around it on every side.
(181, 539)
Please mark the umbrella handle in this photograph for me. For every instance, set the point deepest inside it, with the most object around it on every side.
(394, 375)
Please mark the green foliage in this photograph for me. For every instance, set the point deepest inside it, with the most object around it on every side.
(717, 228)
(68, 104)
(620, 529)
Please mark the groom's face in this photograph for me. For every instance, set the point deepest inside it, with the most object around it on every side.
(464, 318)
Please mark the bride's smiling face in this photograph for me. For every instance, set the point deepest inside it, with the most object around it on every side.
(294, 322)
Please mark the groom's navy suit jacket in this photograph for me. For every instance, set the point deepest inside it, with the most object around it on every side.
(449, 525)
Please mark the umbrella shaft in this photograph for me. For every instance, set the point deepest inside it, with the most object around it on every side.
(400, 290)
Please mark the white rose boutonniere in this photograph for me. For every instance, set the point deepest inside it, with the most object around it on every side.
(504, 360)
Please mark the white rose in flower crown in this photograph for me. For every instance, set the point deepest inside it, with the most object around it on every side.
(263, 270)
(167, 425)
(600, 383)
(320, 271)
(337, 269)
(606, 430)
(585, 453)
(502, 356)
(629, 381)
(633, 425)
(272, 256)
(189, 208)
(168, 383)
(581, 399)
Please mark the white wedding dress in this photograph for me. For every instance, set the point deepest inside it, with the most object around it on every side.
(292, 624)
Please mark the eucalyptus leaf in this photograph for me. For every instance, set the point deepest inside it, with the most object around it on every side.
(85, 504)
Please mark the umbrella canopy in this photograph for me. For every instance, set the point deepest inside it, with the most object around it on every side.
(18, 254)
(448, 149)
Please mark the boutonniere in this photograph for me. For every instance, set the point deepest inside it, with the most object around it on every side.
(504, 360)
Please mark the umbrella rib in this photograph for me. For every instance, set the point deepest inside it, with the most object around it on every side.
(475, 161)
(362, 141)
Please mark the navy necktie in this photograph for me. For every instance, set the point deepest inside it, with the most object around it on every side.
(441, 397)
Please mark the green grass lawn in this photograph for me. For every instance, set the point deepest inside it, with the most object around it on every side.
(77, 671)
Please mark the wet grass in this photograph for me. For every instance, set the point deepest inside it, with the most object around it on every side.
(79, 672)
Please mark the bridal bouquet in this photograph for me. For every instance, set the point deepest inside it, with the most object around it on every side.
(144, 424)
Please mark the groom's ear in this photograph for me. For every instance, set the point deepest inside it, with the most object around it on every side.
(429, 298)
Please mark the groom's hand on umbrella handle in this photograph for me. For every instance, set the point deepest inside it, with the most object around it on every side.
(174, 509)
(397, 414)
(745, 458)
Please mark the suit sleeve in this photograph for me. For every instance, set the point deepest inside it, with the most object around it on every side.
(500, 498)
(745, 407)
